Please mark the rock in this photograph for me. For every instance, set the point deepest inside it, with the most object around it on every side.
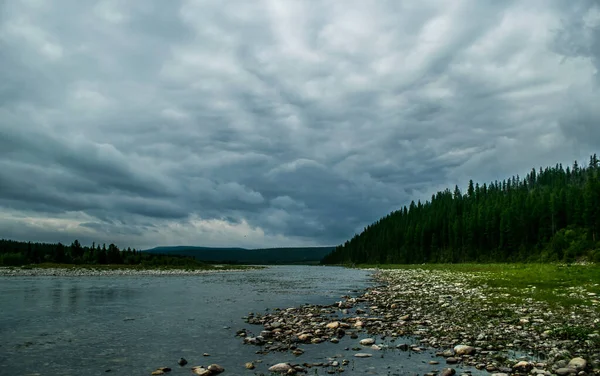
(433, 362)
(362, 355)
(464, 350)
(566, 371)
(280, 368)
(451, 360)
(298, 352)
(333, 325)
(402, 347)
(334, 340)
(447, 372)
(201, 371)
(523, 366)
(215, 369)
(499, 374)
(577, 363)
(448, 353)
(161, 371)
(206, 354)
(182, 362)
(376, 347)
(250, 365)
(367, 341)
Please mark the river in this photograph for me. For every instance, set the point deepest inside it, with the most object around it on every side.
(130, 325)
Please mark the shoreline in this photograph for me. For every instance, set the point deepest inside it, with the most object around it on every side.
(97, 272)
(451, 313)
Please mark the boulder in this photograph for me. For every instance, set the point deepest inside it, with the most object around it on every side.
(201, 371)
(464, 350)
(280, 368)
(367, 341)
(577, 363)
(215, 369)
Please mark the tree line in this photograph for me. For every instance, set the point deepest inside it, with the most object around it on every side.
(15, 253)
(552, 214)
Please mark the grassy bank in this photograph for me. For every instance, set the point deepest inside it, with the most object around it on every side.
(556, 284)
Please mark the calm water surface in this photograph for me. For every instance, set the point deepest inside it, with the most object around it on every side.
(132, 325)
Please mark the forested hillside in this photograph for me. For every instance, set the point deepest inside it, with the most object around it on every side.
(549, 215)
(23, 253)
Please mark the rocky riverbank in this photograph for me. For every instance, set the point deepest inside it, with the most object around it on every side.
(83, 272)
(455, 315)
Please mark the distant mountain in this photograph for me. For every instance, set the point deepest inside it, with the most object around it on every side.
(297, 255)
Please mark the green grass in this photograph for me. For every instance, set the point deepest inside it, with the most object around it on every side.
(558, 284)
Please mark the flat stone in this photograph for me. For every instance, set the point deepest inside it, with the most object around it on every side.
(362, 355)
(367, 341)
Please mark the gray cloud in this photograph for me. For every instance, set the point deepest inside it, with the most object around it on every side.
(278, 122)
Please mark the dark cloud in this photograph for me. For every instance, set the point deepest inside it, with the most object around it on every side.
(278, 122)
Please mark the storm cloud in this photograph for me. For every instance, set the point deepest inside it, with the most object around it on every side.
(278, 123)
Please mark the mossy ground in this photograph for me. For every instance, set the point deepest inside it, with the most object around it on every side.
(556, 284)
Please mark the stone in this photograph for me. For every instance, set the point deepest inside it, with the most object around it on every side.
(201, 371)
(158, 372)
(362, 355)
(523, 366)
(182, 362)
(451, 360)
(402, 347)
(280, 368)
(215, 369)
(447, 372)
(565, 371)
(250, 365)
(334, 340)
(499, 374)
(206, 354)
(464, 350)
(577, 363)
(333, 325)
(367, 341)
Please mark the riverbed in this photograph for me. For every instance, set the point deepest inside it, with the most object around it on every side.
(131, 325)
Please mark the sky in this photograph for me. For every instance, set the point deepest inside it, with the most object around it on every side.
(278, 122)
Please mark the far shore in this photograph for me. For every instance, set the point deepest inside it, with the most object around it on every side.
(68, 270)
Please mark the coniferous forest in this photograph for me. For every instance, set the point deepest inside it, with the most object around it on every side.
(550, 215)
(15, 253)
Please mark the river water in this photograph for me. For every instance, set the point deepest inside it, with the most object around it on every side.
(130, 325)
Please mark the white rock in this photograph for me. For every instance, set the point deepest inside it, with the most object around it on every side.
(367, 341)
(280, 368)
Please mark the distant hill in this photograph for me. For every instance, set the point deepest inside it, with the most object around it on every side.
(298, 255)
